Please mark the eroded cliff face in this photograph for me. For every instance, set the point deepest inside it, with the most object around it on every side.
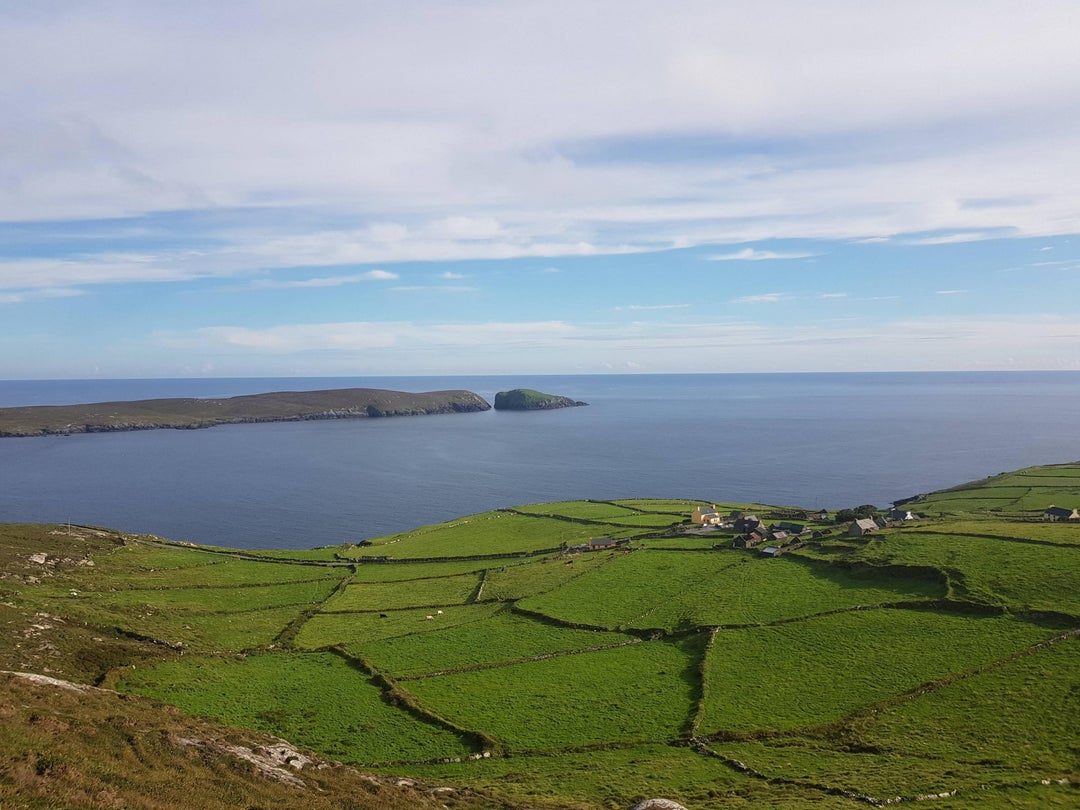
(526, 399)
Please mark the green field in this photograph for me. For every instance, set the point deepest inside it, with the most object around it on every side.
(673, 590)
(937, 658)
(642, 692)
(504, 637)
(817, 671)
(381, 596)
(328, 629)
(317, 699)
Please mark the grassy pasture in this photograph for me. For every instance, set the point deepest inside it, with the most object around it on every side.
(211, 600)
(214, 632)
(314, 699)
(584, 510)
(486, 533)
(396, 572)
(631, 589)
(673, 507)
(540, 575)
(1019, 718)
(817, 671)
(882, 774)
(642, 692)
(621, 777)
(999, 572)
(671, 590)
(382, 596)
(1061, 533)
(502, 637)
(1027, 491)
(327, 629)
(220, 573)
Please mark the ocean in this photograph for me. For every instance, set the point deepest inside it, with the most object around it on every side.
(810, 440)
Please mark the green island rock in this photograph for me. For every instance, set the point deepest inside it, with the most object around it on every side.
(281, 406)
(526, 399)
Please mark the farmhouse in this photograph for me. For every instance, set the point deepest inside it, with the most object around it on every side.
(1055, 513)
(900, 514)
(861, 527)
(705, 516)
(772, 551)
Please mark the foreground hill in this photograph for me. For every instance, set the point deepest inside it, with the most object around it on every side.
(585, 655)
(284, 406)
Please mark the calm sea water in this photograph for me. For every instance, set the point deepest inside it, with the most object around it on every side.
(813, 440)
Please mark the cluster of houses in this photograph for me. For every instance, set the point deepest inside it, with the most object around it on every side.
(750, 531)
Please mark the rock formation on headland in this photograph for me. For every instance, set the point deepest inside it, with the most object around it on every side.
(526, 399)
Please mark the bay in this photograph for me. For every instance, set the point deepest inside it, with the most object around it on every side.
(811, 440)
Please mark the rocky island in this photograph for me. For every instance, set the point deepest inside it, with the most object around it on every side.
(281, 406)
(526, 399)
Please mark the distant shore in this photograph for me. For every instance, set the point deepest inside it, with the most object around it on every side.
(188, 414)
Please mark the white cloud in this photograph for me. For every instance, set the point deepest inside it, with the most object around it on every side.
(950, 292)
(441, 288)
(813, 130)
(38, 294)
(449, 276)
(752, 255)
(327, 281)
(638, 307)
(764, 298)
(833, 295)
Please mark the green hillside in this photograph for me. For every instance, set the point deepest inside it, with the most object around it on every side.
(496, 656)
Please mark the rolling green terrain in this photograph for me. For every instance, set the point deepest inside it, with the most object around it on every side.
(284, 406)
(936, 660)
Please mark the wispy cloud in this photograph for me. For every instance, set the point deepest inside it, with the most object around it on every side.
(950, 292)
(641, 307)
(833, 295)
(753, 255)
(44, 293)
(764, 298)
(449, 276)
(326, 281)
(442, 288)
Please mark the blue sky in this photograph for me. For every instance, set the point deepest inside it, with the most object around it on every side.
(348, 188)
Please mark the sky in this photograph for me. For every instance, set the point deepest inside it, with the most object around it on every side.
(327, 188)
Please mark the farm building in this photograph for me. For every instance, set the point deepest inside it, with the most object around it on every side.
(772, 551)
(900, 514)
(794, 529)
(1055, 513)
(747, 523)
(861, 527)
(601, 543)
(748, 540)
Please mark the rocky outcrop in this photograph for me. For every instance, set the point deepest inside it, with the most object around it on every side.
(526, 399)
(658, 804)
